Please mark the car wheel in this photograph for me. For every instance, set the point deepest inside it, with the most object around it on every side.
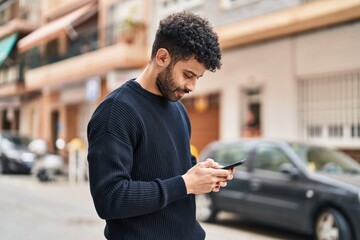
(205, 210)
(332, 225)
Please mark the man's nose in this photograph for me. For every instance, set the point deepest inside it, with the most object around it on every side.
(190, 86)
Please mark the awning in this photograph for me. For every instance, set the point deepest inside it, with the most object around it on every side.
(6, 45)
(17, 26)
(53, 29)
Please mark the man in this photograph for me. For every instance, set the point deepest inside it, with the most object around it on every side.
(142, 175)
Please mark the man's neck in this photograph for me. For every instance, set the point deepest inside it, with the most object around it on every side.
(147, 80)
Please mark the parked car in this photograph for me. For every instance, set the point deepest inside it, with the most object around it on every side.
(15, 156)
(304, 188)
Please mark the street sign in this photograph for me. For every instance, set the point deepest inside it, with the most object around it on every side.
(93, 89)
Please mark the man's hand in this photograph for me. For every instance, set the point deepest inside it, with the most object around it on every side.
(205, 177)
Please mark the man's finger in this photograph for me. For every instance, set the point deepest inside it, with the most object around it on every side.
(208, 163)
(223, 184)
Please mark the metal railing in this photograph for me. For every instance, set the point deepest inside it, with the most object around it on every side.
(126, 31)
(330, 106)
(84, 42)
(12, 74)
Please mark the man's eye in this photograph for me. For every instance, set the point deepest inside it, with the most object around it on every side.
(187, 76)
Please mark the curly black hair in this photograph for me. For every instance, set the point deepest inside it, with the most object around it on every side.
(184, 34)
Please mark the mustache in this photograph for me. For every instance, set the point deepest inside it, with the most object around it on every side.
(183, 90)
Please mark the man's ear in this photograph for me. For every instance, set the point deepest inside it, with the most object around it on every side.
(162, 57)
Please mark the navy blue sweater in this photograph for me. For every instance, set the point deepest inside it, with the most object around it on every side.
(138, 149)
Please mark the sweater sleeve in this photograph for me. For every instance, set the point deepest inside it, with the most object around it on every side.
(110, 158)
(193, 160)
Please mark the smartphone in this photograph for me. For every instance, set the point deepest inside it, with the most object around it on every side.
(235, 164)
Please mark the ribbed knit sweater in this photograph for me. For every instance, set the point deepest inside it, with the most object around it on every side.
(138, 149)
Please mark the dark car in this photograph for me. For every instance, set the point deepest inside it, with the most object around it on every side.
(14, 154)
(304, 188)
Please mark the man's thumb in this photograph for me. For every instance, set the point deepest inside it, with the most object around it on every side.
(210, 163)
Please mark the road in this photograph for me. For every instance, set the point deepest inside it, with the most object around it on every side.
(61, 211)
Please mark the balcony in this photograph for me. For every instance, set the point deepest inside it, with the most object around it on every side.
(12, 74)
(86, 41)
(85, 57)
(11, 80)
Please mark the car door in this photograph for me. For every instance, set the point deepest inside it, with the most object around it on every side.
(232, 197)
(275, 196)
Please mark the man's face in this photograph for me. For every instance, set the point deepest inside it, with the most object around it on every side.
(177, 80)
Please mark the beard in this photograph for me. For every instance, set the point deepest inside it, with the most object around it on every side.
(167, 86)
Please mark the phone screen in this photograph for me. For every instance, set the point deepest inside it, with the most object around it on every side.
(235, 164)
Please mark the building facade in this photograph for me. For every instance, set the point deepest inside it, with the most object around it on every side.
(291, 69)
(17, 19)
(68, 60)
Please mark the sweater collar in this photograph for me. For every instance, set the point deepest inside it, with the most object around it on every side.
(153, 97)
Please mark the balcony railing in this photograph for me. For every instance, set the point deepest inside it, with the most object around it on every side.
(86, 41)
(127, 31)
(12, 74)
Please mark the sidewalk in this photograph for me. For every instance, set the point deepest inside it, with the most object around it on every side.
(33, 210)
(40, 211)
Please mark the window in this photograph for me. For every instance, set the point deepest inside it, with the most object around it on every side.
(330, 161)
(229, 4)
(270, 158)
(314, 131)
(166, 7)
(252, 115)
(123, 17)
(355, 130)
(230, 154)
(13, 74)
(175, 5)
(330, 107)
(30, 10)
(335, 131)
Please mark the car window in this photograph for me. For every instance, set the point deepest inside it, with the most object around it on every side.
(7, 144)
(269, 157)
(331, 161)
(325, 160)
(14, 141)
(230, 154)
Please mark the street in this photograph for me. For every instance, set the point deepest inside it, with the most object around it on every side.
(61, 211)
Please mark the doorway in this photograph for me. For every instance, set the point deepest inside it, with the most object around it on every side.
(252, 113)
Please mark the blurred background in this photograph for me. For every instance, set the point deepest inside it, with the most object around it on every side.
(291, 71)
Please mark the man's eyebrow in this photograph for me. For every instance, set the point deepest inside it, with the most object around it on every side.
(192, 73)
